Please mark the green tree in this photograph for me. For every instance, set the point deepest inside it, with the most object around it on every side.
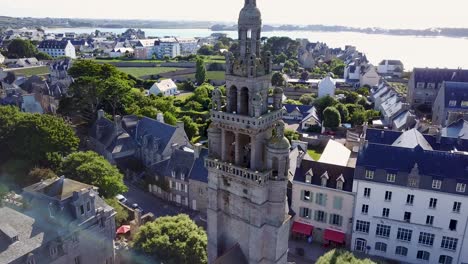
(190, 127)
(280, 58)
(91, 168)
(341, 257)
(307, 99)
(344, 113)
(337, 67)
(364, 91)
(351, 98)
(358, 118)
(277, 79)
(170, 119)
(173, 240)
(322, 103)
(166, 58)
(121, 216)
(206, 50)
(19, 48)
(291, 135)
(352, 108)
(331, 117)
(43, 56)
(200, 75)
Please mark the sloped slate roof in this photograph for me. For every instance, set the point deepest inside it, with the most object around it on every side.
(53, 44)
(439, 75)
(304, 109)
(411, 139)
(458, 129)
(199, 171)
(431, 163)
(157, 129)
(457, 91)
(57, 188)
(319, 168)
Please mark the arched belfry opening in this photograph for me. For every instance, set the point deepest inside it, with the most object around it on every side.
(244, 101)
(232, 99)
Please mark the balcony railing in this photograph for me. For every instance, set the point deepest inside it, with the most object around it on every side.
(247, 122)
(259, 178)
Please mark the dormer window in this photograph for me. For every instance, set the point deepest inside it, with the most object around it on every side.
(369, 174)
(173, 173)
(324, 179)
(82, 209)
(88, 206)
(340, 182)
(182, 176)
(461, 187)
(453, 103)
(391, 177)
(309, 176)
(436, 184)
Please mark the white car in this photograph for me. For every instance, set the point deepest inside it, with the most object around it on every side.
(121, 198)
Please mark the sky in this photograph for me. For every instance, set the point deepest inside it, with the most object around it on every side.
(415, 14)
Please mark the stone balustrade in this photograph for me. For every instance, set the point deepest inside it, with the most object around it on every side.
(247, 122)
(257, 177)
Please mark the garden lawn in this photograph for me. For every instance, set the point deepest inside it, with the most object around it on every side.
(211, 75)
(33, 71)
(315, 153)
(144, 71)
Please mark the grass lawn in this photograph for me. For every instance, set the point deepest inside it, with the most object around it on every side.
(315, 153)
(144, 71)
(211, 75)
(33, 71)
(184, 96)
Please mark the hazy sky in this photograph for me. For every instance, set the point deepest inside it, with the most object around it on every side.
(361, 13)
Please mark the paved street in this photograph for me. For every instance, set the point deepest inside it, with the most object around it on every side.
(155, 205)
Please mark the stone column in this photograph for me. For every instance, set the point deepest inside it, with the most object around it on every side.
(223, 145)
(239, 101)
(237, 149)
(253, 153)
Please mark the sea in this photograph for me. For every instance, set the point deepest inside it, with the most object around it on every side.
(413, 51)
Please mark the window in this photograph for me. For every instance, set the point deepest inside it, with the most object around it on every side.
(82, 209)
(445, 259)
(362, 226)
(339, 185)
(367, 192)
(410, 199)
(429, 220)
(304, 212)
(306, 196)
(321, 199)
(385, 212)
(365, 209)
(88, 206)
(404, 234)
(383, 231)
(456, 207)
(391, 177)
(336, 220)
(360, 245)
(379, 246)
(53, 251)
(453, 103)
(412, 182)
(31, 260)
(182, 176)
(420, 85)
(424, 255)
(337, 203)
(436, 184)
(407, 217)
(449, 243)
(369, 174)
(426, 239)
(402, 251)
(464, 104)
(453, 225)
(461, 187)
(324, 181)
(308, 178)
(77, 260)
(433, 203)
(320, 216)
(388, 196)
(173, 173)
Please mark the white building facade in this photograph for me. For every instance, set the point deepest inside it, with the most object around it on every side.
(57, 48)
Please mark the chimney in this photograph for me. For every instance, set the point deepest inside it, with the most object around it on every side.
(100, 114)
(137, 215)
(160, 118)
(118, 124)
(197, 149)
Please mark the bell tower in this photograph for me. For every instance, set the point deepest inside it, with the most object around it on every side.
(248, 156)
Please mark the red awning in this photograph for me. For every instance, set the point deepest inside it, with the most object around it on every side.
(334, 236)
(123, 229)
(302, 228)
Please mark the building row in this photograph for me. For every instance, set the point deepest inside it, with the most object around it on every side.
(402, 196)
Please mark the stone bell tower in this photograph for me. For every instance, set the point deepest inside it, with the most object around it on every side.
(248, 156)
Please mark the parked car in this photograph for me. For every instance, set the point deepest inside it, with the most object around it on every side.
(121, 198)
(136, 206)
